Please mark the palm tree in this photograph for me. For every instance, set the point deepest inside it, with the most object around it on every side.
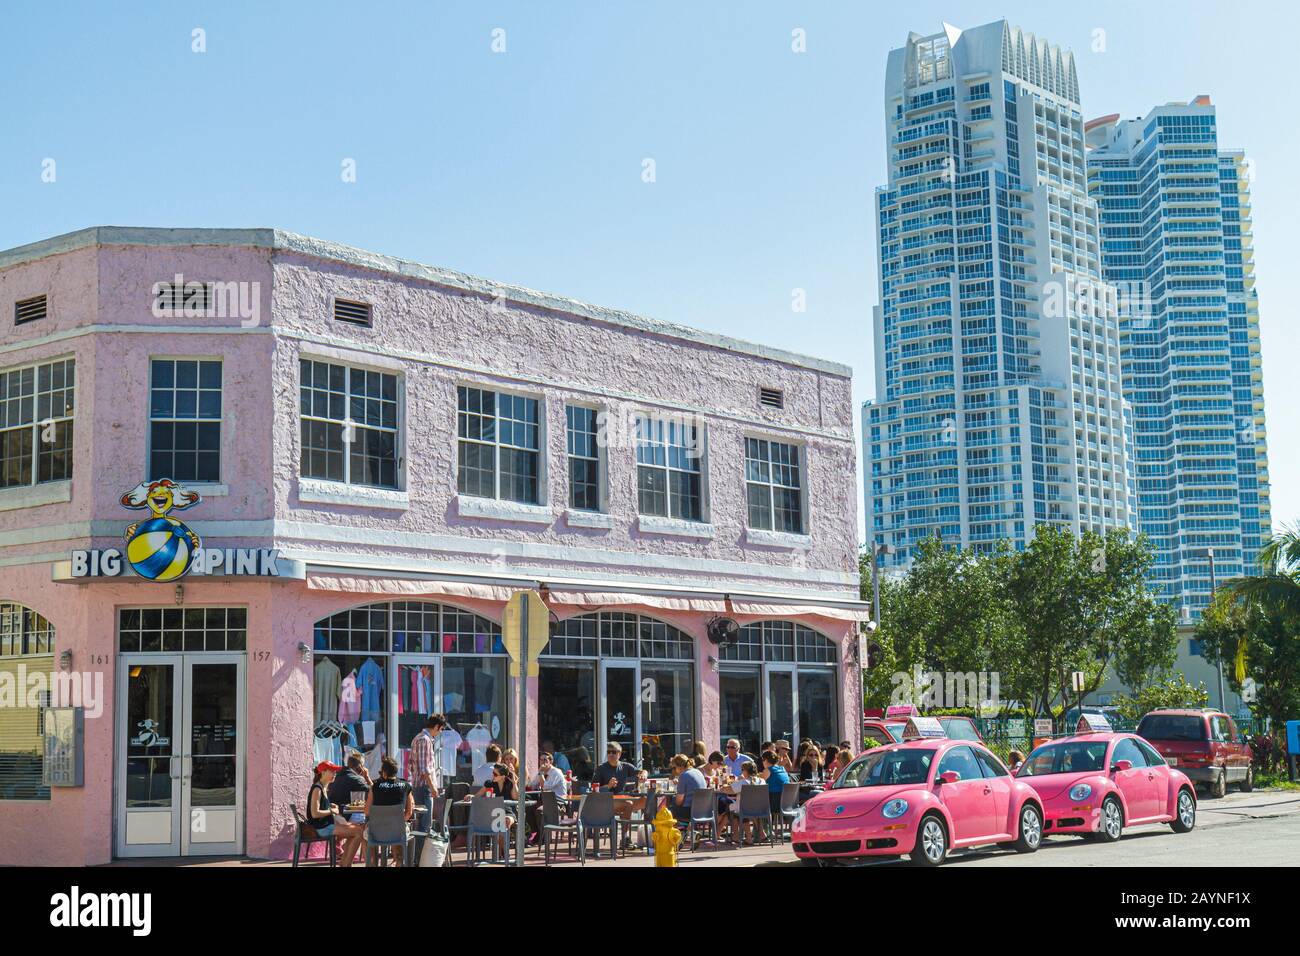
(1278, 584)
(1277, 587)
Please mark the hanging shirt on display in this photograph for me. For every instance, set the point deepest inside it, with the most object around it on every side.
(478, 739)
(327, 690)
(349, 700)
(450, 741)
(370, 684)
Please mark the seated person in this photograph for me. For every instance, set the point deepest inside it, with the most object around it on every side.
(324, 818)
(615, 773)
(389, 791)
(502, 784)
(354, 778)
(774, 773)
(689, 779)
(483, 772)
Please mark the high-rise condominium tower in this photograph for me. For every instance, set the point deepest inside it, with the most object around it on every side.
(1176, 241)
(999, 403)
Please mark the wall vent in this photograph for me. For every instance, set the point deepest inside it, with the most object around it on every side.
(358, 313)
(771, 397)
(30, 310)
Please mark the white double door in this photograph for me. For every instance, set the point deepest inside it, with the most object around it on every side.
(179, 777)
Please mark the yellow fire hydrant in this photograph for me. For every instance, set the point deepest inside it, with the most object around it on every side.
(666, 837)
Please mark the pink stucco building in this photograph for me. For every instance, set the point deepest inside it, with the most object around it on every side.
(384, 452)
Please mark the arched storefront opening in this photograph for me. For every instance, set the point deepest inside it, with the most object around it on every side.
(381, 669)
(779, 681)
(26, 641)
(618, 677)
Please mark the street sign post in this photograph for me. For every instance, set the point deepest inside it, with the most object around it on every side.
(525, 631)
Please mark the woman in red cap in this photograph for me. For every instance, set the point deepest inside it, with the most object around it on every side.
(325, 817)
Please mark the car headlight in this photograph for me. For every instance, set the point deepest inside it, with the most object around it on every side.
(1080, 792)
(797, 818)
(894, 809)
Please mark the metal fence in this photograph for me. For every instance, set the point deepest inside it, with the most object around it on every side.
(1004, 734)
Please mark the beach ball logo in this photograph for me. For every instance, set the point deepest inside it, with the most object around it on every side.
(160, 548)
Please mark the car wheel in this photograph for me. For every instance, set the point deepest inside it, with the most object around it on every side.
(1186, 813)
(1219, 786)
(1112, 820)
(1031, 829)
(1248, 784)
(931, 842)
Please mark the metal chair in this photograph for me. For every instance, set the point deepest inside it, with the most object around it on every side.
(485, 819)
(306, 834)
(704, 813)
(553, 825)
(645, 820)
(387, 827)
(789, 808)
(754, 805)
(596, 816)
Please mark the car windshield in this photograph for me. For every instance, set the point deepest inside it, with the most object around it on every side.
(1171, 727)
(959, 728)
(887, 768)
(1076, 756)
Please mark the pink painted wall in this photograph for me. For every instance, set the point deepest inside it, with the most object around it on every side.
(426, 329)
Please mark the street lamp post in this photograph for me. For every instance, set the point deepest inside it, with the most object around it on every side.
(876, 551)
(1214, 586)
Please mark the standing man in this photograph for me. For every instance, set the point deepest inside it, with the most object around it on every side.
(425, 771)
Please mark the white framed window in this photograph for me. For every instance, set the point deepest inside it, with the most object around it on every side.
(670, 468)
(185, 419)
(349, 424)
(498, 448)
(36, 408)
(586, 473)
(774, 486)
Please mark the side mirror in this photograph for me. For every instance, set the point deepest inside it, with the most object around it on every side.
(949, 776)
(1123, 765)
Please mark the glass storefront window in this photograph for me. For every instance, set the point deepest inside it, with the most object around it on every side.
(742, 715)
(817, 706)
(779, 683)
(642, 694)
(667, 713)
(566, 715)
(475, 693)
(448, 660)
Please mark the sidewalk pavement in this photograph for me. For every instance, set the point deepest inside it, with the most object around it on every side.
(1233, 807)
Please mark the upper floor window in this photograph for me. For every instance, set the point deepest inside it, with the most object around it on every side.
(584, 458)
(185, 420)
(772, 486)
(36, 406)
(348, 424)
(669, 456)
(499, 437)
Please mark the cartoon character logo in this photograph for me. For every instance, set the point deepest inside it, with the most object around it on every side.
(160, 548)
(149, 736)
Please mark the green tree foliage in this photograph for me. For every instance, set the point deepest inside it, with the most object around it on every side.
(1033, 616)
(1254, 621)
(1172, 690)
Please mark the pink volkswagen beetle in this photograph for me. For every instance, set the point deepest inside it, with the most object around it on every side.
(922, 797)
(1097, 782)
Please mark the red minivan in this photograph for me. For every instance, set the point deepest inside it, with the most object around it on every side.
(1204, 744)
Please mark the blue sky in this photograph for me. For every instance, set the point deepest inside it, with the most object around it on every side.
(526, 166)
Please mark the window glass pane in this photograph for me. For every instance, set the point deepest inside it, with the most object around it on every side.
(740, 713)
(566, 715)
(667, 713)
(818, 714)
